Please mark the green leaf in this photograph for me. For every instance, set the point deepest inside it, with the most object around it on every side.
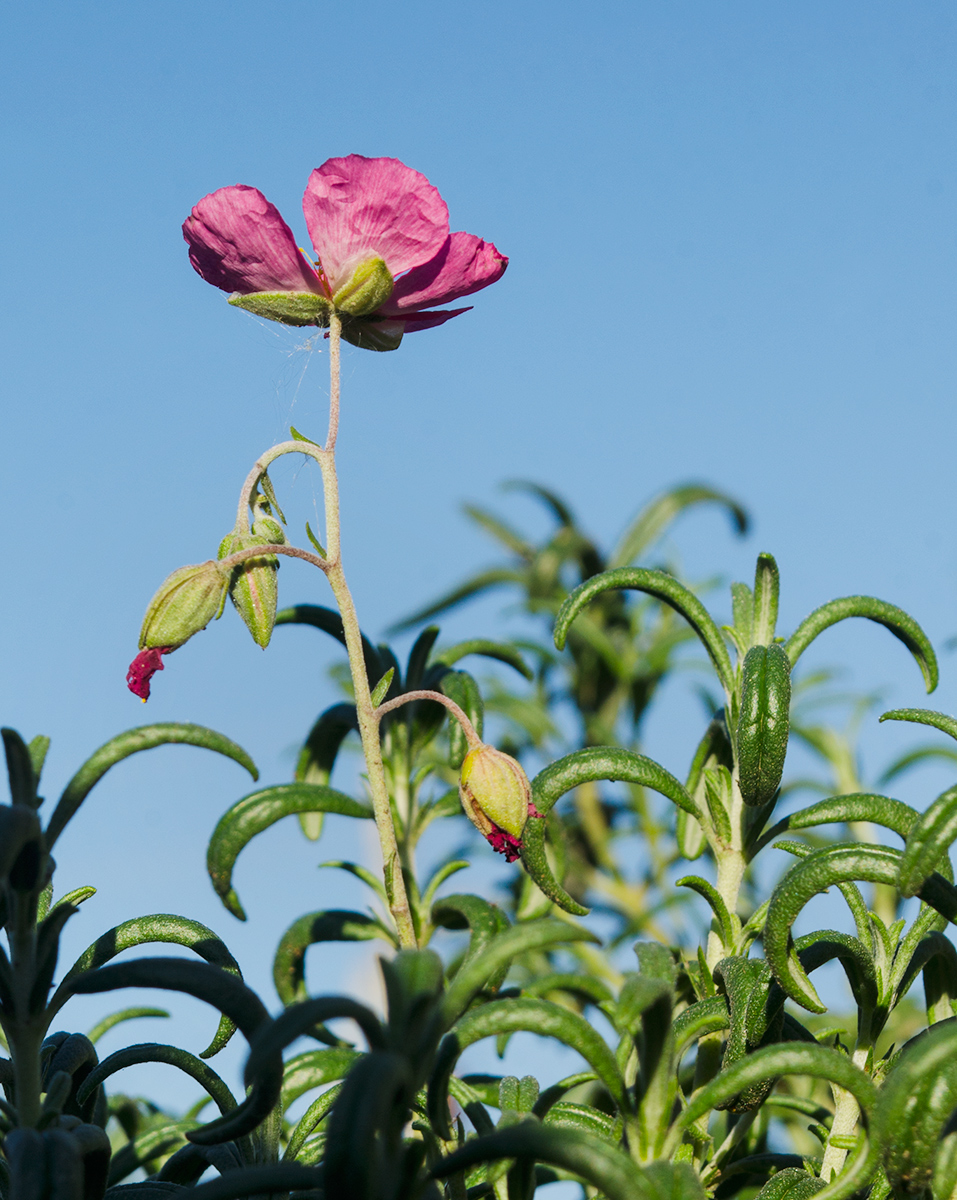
(473, 587)
(843, 810)
(902, 626)
(663, 587)
(329, 621)
(728, 927)
(936, 956)
(233, 999)
(653, 520)
(141, 931)
(923, 716)
(911, 758)
(309, 1121)
(606, 762)
(321, 748)
(585, 988)
(500, 651)
(255, 1181)
(483, 920)
(419, 657)
(316, 544)
(23, 780)
(462, 689)
(300, 1020)
(819, 871)
(332, 925)
(816, 949)
(756, 1008)
(767, 582)
(146, 737)
(256, 812)
(301, 437)
(155, 1052)
(762, 734)
(125, 1014)
(314, 1069)
(587, 1120)
(519, 939)
(524, 1014)
(583, 1155)
(698, 1020)
(928, 842)
(380, 689)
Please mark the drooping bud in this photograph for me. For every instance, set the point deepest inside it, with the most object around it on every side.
(497, 798)
(289, 308)
(367, 288)
(185, 603)
(253, 589)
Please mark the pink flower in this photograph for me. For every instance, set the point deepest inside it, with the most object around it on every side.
(385, 256)
(143, 668)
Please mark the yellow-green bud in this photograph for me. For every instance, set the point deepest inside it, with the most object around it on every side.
(185, 603)
(288, 308)
(497, 797)
(366, 289)
(254, 588)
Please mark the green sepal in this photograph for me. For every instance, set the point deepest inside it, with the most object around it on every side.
(380, 689)
(371, 333)
(289, 308)
(366, 289)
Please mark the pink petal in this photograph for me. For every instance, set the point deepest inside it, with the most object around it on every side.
(413, 322)
(240, 243)
(358, 207)
(465, 264)
(143, 668)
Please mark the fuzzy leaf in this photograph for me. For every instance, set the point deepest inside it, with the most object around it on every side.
(331, 925)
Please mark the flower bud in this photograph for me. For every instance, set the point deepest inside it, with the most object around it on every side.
(253, 589)
(186, 603)
(366, 289)
(497, 798)
(288, 308)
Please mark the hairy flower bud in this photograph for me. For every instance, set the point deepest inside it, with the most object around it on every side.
(497, 798)
(185, 603)
(253, 588)
(367, 288)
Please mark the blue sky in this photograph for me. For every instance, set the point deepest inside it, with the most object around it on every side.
(733, 251)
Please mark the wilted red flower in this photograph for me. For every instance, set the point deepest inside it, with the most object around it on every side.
(143, 668)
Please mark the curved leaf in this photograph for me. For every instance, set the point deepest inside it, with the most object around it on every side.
(928, 843)
(158, 927)
(117, 1018)
(146, 737)
(698, 1020)
(651, 523)
(911, 758)
(819, 871)
(855, 806)
(538, 868)
(156, 1052)
(331, 925)
(256, 812)
(663, 587)
(816, 949)
(513, 1016)
(902, 626)
(315, 1068)
(923, 716)
(610, 763)
(500, 651)
(316, 1112)
(255, 1181)
(300, 1020)
(232, 998)
(585, 988)
(582, 1154)
(329, 621)
(474, 974)
(323, 742)
(727, 926)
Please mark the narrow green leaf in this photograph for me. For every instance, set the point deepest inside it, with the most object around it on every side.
(444, 872)
(301, 437)
(316, 544)
(315, 1068)
(539, 870)
(728, 926)
(146, 737)
(654, 519)
(519, 939)
(475, 586)
(500, 651)
(125, 1014)
(256, 812)
(419, 657)
(233, 999)
(329, 621)
(155, 1052)
(923, 716)
(663, 587)
(928, 843)
(23, 781)
(258, 1181)
(380, 689)
(462, 689)
(141, 931)
(331, 925)
(38, 748)
(606, 762)
(698, 1020)
(483, 920)
(767, 582)
(762, 733)
(321, 748)
(816, 949)
(269, 492)
(299, 1020)
(915, 756)
(902, 626)
(855, 806)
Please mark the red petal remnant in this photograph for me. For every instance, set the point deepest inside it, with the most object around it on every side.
(504, 843)
(143, 668)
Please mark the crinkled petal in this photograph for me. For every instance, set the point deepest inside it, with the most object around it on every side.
(413, 322)
(464, 265)
(240, 243)
(357, 208)
(143, 668)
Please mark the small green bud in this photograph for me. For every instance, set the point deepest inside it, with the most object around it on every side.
(253, 589)
(497, 798)
(185, 603)
(289, 308)
(366, 289)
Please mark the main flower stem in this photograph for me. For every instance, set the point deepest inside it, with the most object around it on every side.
(368, 719)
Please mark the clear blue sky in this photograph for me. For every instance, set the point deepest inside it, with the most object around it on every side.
(733, 248)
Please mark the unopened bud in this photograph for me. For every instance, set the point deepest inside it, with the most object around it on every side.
(497, 798)
(367, 288)
(186, 603)
(253, 589)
